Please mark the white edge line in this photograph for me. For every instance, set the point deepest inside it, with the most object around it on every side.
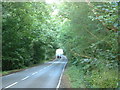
(37, 72)
(61, 76)
(11, 85)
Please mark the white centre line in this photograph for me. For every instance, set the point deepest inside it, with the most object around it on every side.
(36, 72)
(25, 78)
(33, 73)
(46, 67)
(28, 76)
(11, 85)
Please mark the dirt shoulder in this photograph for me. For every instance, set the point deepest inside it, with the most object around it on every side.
(65, 82)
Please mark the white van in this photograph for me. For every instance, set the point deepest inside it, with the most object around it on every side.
(59, 53)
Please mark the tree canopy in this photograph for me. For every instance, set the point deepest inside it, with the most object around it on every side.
(86, 31)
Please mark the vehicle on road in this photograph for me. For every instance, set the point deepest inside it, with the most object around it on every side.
(59, 53)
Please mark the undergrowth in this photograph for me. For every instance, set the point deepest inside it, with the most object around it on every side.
(106, 78)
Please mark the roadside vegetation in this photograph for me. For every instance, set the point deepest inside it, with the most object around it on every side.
(87, 32)
(90, 38)
(28, 34)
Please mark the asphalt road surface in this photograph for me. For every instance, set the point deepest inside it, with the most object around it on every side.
(47, 75)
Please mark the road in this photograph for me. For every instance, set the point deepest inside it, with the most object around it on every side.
(47, 75)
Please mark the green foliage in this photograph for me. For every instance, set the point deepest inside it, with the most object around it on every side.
(107, 13)
(107, 78)
(89, 35)
(87, 32)
(77, 77)
(38, 52)
(27, 35)
(103, 79)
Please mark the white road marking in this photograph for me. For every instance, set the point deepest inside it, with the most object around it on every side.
(46, 67)
(11, 85)
(41, 70)
(33, 73)
(25, 77)
(25, 70)
(61, 76)
(36, 72)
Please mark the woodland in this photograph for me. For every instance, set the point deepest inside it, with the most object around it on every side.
(86, 31)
